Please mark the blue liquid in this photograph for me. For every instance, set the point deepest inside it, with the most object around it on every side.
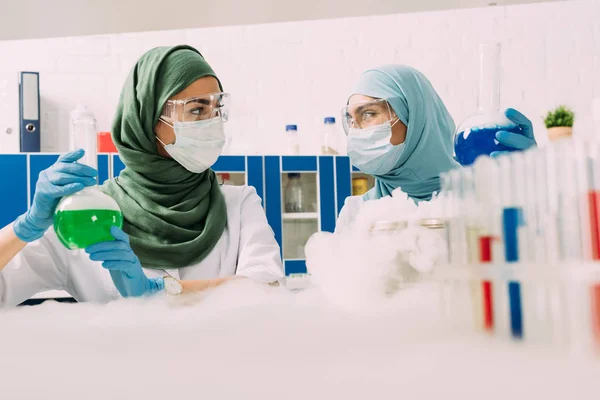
(479, 142)
(516, 314)
(512, 219)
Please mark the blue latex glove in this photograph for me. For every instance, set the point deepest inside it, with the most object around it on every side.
(63, 178)
(516, 140)
(124, 266)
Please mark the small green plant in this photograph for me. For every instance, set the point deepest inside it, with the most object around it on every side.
(561, 116)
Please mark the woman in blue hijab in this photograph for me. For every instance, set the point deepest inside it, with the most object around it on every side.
(400, 131)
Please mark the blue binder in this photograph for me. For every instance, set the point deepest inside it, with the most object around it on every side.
(29, 111)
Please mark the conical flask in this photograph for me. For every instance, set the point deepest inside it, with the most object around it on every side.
(476, 135)
(86, 217)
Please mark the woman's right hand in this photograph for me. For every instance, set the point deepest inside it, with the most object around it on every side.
(63, 178)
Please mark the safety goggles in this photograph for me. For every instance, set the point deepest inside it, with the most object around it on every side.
(198, 108)
(367, 114)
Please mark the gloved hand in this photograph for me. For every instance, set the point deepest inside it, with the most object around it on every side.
(63, 178)
(516, 140)
(124, 266)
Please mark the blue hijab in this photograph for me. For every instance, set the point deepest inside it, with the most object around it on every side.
(428, 145)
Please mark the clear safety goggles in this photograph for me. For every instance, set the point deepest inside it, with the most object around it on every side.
(198, 108)
(367, 114)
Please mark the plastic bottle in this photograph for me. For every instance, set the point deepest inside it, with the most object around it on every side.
(328, 143)
(477, 134)
(85, 218)
(293, 144)
(294, 198)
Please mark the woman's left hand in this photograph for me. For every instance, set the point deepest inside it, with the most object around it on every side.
(517, 141)
(124, 266)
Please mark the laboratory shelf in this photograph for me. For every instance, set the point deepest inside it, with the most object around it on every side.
(299, 164)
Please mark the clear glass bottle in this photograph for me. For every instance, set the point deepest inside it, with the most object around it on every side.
(293, 143)
(476, 135)
(328, 138)
(85, 217)
(294, 196)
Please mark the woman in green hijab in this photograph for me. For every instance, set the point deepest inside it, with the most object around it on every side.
(182, 231)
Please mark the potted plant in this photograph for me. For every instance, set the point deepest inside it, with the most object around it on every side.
(559, 123)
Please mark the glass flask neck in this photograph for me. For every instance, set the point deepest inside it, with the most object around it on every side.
(489, 77)
(85, 137)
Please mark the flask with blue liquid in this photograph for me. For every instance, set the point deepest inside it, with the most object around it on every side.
(476, 135)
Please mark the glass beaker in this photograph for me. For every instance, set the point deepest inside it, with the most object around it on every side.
(476, 135)
(86, 217)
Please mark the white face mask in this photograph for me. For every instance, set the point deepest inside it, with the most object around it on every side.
(198, 144)
(370, 149)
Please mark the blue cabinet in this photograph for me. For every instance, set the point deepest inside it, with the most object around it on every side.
(328, 178)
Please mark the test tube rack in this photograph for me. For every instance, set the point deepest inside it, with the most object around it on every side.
(524, 245)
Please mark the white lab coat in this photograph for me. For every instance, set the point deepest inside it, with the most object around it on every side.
(246, 248)
(348, 214)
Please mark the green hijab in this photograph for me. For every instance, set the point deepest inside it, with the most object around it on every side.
(173, 217)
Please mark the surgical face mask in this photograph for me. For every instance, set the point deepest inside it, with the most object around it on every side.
(198, 144)
(370, 149)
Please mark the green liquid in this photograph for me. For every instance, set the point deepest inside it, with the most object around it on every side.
(77, 229)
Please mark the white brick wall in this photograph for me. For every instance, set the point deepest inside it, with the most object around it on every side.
(300, 72)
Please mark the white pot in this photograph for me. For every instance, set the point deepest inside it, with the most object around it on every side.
(559, 132)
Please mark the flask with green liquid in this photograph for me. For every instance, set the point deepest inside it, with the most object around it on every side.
(85, 217)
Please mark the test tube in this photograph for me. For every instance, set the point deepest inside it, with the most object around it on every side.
(525, 238)
(595, 295)
(536, 303)
(546, 252)
(552, 238)
(568, 204)
(551, 207)
(487, 193)
(594, 199)
(473, 223)
(458, 247)
(500, 297)
(583, 309)
(541, 205)
(594, 211)
(512, 220)
(534, 299)
(474, 229)
(583, 179)
(572, 229)
(530, 204)
(519, 200)
(445, 196)
(457, 235)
